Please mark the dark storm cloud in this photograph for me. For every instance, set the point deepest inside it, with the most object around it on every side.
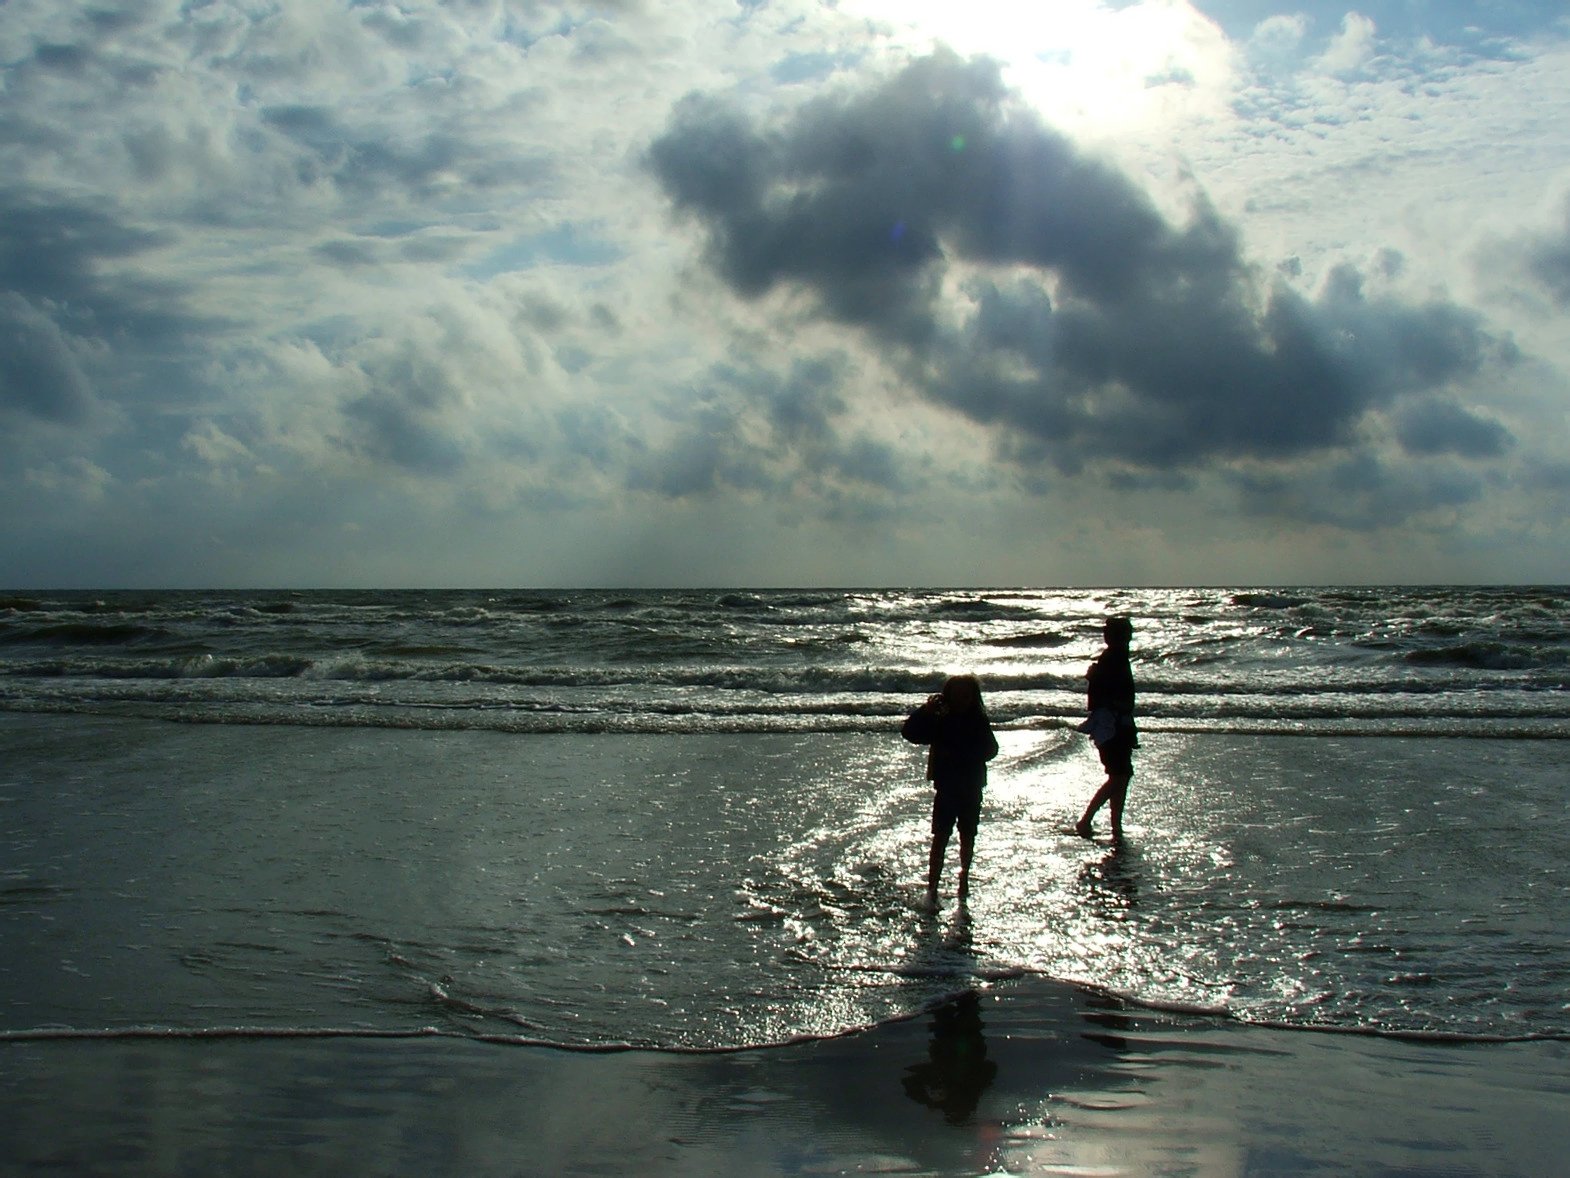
(359, 162)
(1442, 427)
(1358, 492)
(804, 411)
(40, 373)
(708, 454)
(408, 417)
(54, 251)
(62, 302)
(71, 59)
(749, 429)
(1548, 258)
(1552, 477)
(1092, 327)
(346, 253)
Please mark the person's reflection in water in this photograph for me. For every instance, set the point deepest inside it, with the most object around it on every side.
(946, 945)
(956, 1071)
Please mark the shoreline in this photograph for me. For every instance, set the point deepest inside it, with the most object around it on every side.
(102, 940)
(1133, 1006)
(140, 829)
(1025, 1076)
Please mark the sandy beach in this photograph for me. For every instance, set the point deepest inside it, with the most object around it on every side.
(1029, 1078)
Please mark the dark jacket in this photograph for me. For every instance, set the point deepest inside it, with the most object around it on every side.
(962, 744)
(1111, 686)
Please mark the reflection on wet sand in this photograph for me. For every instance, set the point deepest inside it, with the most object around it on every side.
(956, 1071)
(1024, 1077)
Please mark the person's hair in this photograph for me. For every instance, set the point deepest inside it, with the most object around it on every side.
(1119, 627)
(967, 683)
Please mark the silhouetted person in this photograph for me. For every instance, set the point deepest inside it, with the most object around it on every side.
(954, 723)
(1111, 723)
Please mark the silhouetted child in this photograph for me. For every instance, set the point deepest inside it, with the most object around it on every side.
(954, 724)
(1110, 690)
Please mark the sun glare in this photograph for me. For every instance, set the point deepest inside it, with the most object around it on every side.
(1084, 65)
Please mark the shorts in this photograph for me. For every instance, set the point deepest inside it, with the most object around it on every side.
(1117, 757)
(956, 807)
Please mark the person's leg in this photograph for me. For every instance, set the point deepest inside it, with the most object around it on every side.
(1082, 827)
(1117, 795)
(942, 827)
(968, 820)
(967, 850)
(1117, 760)
(940, 843)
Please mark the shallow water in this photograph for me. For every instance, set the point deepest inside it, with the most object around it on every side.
(710, 891)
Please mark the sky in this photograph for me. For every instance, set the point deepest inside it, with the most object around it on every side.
(878, 292)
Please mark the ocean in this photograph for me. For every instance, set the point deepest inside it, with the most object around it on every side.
(685, 820)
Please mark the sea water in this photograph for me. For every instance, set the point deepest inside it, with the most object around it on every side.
(686, 819)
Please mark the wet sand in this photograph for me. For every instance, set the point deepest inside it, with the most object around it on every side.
(1027, 1077)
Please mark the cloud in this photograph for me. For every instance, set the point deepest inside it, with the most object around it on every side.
(1037, 290)
(1350, 49)
(284, 273)
(1484, 29)
(40, 373)
(1548, 258)
(75, 311)
(1440, 427)
(754, 431)
(57, 252)
(366, 163)
(1360, 492)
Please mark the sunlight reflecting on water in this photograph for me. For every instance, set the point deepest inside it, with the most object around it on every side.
(721, 891)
